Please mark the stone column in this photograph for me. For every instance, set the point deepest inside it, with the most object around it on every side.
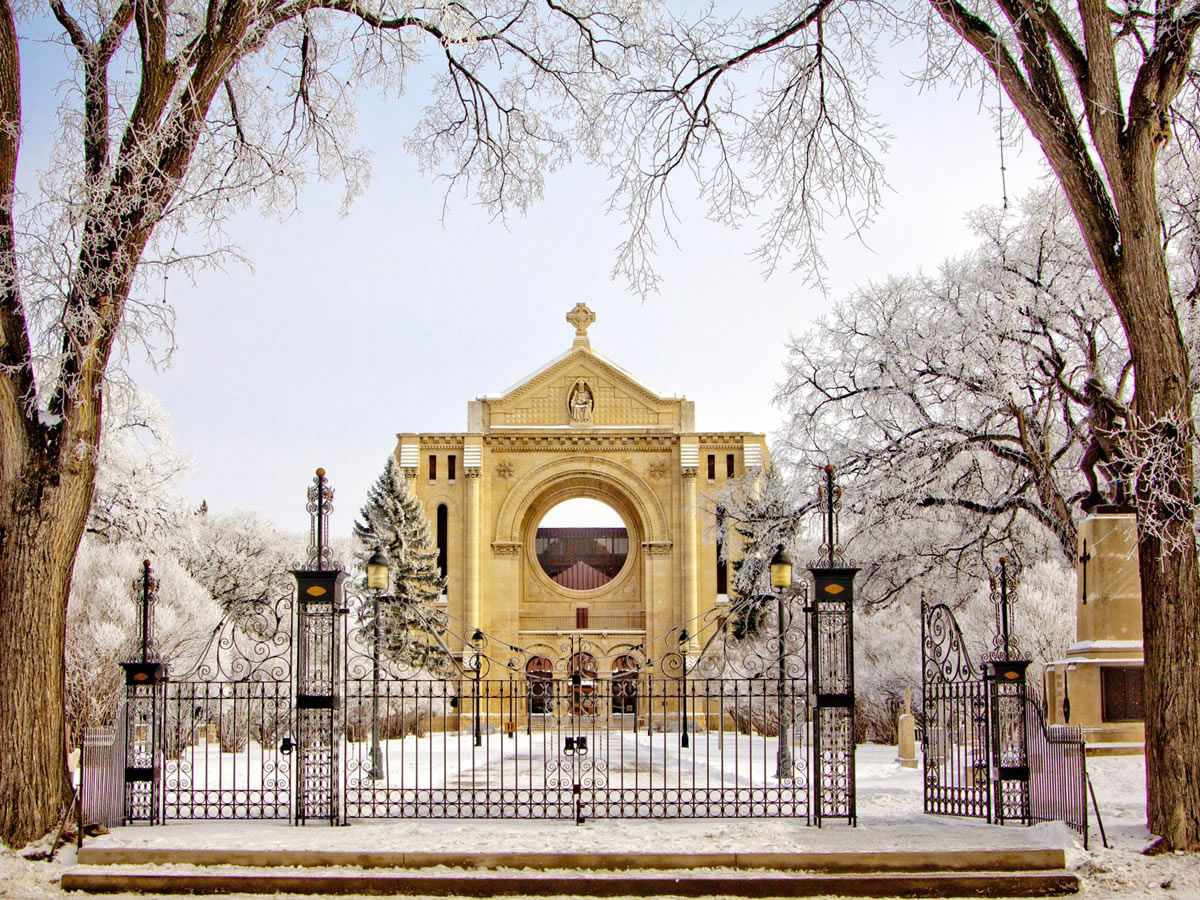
(691, 600)
(473, 526)
(504, 591)
(655, 585)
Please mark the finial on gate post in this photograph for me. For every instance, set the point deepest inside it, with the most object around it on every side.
(149, 595)
(830, 497)
(1003, 588)
(320, 505)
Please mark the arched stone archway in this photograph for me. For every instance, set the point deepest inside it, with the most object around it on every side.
(581, 476)
(626, 603)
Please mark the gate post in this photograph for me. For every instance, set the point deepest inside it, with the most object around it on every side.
(143, 712)
(1004, 672)
(832, 613)
(1006, 689)
(317, 639)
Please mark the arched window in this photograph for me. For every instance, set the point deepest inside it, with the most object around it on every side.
(539, 678)
(582, 664)
(624, 685)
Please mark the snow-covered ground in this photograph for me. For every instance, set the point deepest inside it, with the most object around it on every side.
(889, 804)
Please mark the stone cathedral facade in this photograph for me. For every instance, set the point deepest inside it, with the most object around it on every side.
(580, 426)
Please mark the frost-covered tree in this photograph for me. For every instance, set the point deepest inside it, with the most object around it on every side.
(955, 406)
(139, 465)
(393, 520)
(103, 623)
(773, 112)
(887, 661)
(753, 517)
(176, 114)
(241, 558)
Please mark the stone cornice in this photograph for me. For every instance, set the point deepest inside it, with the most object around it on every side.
(592, 442)
(506, 548)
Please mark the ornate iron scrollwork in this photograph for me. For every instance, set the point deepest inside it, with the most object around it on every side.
(945, 655)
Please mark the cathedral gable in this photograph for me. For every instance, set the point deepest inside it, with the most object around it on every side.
(581, 390)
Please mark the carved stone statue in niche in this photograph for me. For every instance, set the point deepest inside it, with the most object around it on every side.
(580, 403)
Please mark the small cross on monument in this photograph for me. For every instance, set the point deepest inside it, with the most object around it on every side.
(1084, 559)
(581, 317)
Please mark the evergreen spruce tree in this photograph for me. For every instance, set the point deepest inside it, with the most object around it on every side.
(393, 520)
(765, 517)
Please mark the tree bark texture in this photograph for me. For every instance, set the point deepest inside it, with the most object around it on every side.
(1170, 581)
(40, 530)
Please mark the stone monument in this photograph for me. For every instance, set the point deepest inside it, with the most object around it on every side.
(1098, 685)
(906, 739)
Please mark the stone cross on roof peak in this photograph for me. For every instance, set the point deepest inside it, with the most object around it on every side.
(581, 317)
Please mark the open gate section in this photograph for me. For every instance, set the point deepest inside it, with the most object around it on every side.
(988, 751)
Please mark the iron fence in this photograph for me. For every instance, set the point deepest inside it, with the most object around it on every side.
(955, 743)
(102, 773)
(988, 752)
(1057, 772)
(224, 756)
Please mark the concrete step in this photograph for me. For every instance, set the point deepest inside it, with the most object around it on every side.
(838, 862)
(475, 883)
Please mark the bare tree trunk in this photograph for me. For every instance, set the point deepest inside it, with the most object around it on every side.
(39, 536)
(1170, 615)
(1170, 580)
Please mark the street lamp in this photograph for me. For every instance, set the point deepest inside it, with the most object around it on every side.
(781, 581)
(477, 642)
(377, 583)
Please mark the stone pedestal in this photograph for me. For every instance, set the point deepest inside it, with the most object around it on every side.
(1098, 685)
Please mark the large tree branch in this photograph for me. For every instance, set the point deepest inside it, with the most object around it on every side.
(1102, 91)
(1057, 133)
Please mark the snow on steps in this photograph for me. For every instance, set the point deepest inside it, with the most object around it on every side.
(950, 873)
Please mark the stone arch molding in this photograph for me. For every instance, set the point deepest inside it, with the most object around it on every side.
(583, 476)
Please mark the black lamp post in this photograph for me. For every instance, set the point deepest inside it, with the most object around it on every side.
(377, 583)
(477, 642)
(684, 739)
(781, 581)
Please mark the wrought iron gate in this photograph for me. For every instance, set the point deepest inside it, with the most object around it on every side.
(988, 752)
(223, 748)
(307, 709)
(955, 732)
